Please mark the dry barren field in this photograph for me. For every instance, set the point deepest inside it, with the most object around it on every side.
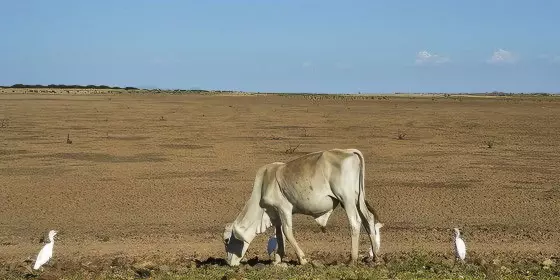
(155, 177)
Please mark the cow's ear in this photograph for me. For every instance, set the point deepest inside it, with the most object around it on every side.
(238, 234)
(381, 225)
(241, 233)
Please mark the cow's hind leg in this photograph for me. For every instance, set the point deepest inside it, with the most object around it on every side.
(369, 221)
(286, 217)
(369, 224)
(355, 226)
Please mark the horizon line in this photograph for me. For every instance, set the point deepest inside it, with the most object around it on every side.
(197, 89)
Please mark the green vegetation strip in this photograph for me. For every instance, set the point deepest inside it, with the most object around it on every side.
(408, 266)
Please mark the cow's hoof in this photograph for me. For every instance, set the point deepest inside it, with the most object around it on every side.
(275, 259)
(303, 262)
(281, 264)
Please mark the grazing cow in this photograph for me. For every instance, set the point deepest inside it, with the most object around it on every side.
(314, 184)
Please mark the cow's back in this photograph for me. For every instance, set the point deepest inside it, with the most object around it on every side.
(323, 163)
(305, 181)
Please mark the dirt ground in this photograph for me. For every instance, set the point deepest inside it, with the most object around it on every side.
(160, 174)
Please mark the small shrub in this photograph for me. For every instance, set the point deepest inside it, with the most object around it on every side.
(401, 135)
(489, 143)
(103, 238)
(291, 149)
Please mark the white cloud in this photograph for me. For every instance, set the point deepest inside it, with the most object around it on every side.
(502, 56)
(424, 57)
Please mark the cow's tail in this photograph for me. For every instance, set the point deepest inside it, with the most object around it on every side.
(253, 219)
(363, 206)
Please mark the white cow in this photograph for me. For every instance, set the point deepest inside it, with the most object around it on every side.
(314, 184)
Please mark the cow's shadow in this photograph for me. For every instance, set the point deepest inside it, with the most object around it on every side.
(250, 262)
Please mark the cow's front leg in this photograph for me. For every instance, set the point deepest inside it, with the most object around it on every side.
(286, 217)
(281, 241)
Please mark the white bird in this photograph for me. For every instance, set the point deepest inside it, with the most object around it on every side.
(377, 239)
(460, 248)
(272, 244)
(46, 252)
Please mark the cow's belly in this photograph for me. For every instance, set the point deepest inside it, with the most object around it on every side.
(313, 205)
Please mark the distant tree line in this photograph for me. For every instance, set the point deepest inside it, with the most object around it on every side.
(68, 86)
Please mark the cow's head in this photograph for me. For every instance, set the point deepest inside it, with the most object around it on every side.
(235, 248)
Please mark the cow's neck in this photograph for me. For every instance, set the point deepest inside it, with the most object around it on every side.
(252, 220)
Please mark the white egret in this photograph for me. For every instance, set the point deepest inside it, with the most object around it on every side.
(460, 248)
(272, 245)
(46, 252)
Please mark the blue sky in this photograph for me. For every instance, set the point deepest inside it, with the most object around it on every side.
(285, 46)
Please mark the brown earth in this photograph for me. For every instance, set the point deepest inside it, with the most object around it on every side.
(159, 174)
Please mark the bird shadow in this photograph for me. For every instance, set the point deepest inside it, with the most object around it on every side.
(30, 275)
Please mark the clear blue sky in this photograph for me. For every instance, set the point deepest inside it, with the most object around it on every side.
(285, 45)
